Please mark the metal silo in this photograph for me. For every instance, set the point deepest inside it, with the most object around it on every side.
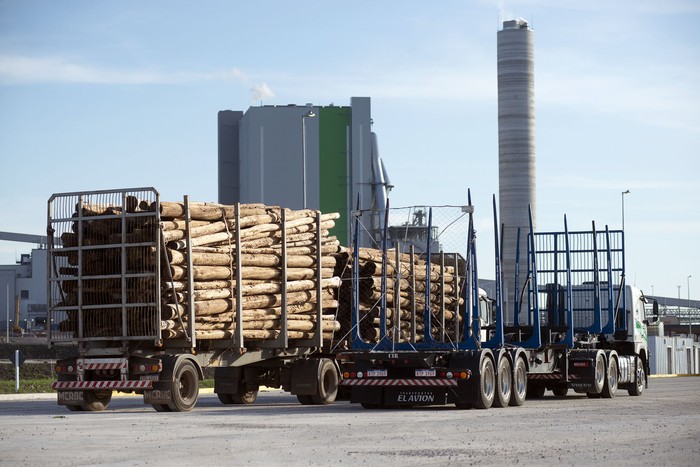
(516, 144)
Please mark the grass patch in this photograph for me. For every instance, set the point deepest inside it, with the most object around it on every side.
(33, 386)
(26, 386)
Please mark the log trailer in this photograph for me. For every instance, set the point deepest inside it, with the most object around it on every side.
(575, 324)
(105, 289)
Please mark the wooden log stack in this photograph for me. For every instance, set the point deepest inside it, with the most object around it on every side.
(406, 308)
(214, 257)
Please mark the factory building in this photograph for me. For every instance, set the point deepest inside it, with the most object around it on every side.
(304, 156)
(23, 294)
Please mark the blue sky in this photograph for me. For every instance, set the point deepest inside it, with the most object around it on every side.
(109, 94)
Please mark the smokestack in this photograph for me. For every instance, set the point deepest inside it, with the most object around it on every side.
(516, 145)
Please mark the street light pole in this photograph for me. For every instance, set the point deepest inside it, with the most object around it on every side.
(309, 114)
(626, 192)
(690, 315)
(8, 313)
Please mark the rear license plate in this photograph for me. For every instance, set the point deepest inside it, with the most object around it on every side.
(148, 377)
(421, 373)
(377, 373)
(71, 397)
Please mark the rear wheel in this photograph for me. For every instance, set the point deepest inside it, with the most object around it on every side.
(640, 375)
(560, 390)
(611, 379)
(185, 389)
(225, 398)
(161, 408)
(245, 397)
(517, 397)
(535, 390)
(599, 372)
(327, 383)
(96, 401)
(304, 399)
(504, 383)
(75, 408)
(487, 384)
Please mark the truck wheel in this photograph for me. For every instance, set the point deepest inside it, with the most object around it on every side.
(560, 390)
(599, 374)
(638, 387)
(96, 401)
(185, 389)
(610, 386)
(487, 385)
(504, 383)
(161, 407)
(75, 408)
(327, 383)
(535, 390)
(517, 396)
(246, 397)
(304, 399)
(225, 398)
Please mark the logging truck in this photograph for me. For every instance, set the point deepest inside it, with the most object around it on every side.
(155, 292)
(574, 324)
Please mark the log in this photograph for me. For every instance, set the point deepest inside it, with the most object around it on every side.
(205, 273)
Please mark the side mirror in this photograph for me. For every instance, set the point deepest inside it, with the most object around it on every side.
(655, 310)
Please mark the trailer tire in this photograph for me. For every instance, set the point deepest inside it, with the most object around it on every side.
(640, 375)
(487, 384)
(504, 383)
(185, 387)
(327, 383)
(305, 399)
(517, 396)
(599, 372)
(611, 379)
(535, 390)
(161, 407)
(96, 401)
(560, 390)
(74, 408)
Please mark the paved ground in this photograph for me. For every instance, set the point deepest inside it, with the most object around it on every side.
(660, 428)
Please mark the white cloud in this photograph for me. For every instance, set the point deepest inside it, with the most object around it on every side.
(260, 92)
(16, 69)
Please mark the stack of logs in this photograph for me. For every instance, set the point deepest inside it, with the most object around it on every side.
(212, 233)
(214, 257)
(444, 301)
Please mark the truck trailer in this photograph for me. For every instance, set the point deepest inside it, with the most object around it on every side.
(575, 324)
(152, 293)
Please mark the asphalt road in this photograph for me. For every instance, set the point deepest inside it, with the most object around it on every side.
(660, 428)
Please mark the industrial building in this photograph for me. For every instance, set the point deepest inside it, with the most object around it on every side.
(304, 156)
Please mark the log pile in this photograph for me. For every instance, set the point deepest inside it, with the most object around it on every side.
(214, 256)
(405, 309)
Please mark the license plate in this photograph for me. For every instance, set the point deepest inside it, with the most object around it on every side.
(421, 373)
(70, 397)
(377, 373)
(148, 377)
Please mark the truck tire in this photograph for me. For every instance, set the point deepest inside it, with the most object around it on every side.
(517, 396)
(560, 390)
(327, 383)
(599, 376)
(74, 408)
(96, 401)
(305, 399)
(535, 390)
(225, 398)
(640, 375)
(504, 383)
(185, 388)
(611, 379)
(161, 407)
(245, 397)
(487, 384)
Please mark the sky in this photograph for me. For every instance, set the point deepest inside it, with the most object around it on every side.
(115, 94)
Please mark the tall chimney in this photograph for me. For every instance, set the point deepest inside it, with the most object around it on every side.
(516, 146)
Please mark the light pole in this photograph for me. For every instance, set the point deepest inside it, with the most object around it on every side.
(626, 192)
(8, 313)
(309, 114)
(690, 315)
